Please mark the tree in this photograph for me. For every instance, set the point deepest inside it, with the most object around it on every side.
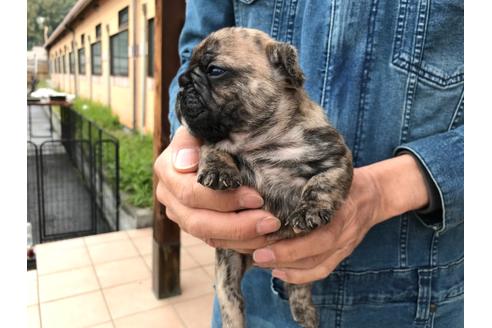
(44, 12)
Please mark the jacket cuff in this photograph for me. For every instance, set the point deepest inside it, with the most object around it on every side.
(434, 198)
(441, 158)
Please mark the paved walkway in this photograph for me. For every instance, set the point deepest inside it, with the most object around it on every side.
(104, 281)
(39, 128)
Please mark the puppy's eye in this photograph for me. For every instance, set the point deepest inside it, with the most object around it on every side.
(215, 71)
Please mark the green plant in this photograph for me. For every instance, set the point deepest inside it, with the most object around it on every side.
(136, 157)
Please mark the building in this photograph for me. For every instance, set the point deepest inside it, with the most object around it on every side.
(103, 51)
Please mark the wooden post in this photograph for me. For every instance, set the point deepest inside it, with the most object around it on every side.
(169, 19)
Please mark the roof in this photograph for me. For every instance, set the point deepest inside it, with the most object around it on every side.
(72, 15)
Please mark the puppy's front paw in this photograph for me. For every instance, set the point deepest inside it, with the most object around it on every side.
(308, 216)
(219, 178)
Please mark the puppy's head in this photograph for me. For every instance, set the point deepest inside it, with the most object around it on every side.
(235, 82)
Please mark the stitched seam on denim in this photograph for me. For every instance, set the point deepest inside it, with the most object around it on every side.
(400, 28)
(434, 250)
(237, 13)
(328, 55)
(435, 268)
(441, 194)
(403, 241)
(424, 297)
(290, 23)
(359, 133)
(399, 60)
(277, 8)
(455, 292)
(418, 43)
(440, 81)
(340, 298)
(458, 112)
(431, 320)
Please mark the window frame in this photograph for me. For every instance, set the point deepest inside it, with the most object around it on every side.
(112, 56)
(79, 62)
(98, 31)
(123, 13)
(93, 71)
(71, 62)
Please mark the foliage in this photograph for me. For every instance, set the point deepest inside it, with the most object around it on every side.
(53, 12)
(136, 156)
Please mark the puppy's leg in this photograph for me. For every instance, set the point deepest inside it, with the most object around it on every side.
(301, 305)
(322, 195)
(217, 169)
(229, 270)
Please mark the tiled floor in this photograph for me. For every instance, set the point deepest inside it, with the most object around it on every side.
(104, 281)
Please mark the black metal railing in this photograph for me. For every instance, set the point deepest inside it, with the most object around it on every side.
(102, 151)
(73, 181)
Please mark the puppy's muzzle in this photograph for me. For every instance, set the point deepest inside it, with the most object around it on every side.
(190, 98)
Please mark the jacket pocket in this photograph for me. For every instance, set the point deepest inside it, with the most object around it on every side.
(428, 41)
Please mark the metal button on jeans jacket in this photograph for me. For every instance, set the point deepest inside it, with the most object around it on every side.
(390, 76)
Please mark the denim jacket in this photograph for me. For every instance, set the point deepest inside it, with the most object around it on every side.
(390, 76)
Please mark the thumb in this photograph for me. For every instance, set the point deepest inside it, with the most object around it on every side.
(185, 150)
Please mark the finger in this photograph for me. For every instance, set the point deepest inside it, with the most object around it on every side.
(207, 224)
(192, 194)
(185, 151)
(303, 276)
(320, 241)
(305, 263)
(249, 245)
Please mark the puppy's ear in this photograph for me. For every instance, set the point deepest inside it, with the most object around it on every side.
(283, 57)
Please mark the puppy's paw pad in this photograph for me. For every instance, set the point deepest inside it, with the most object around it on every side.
(308, 217)
(219, 179)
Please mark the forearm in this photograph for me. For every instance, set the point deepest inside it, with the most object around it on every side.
(399, 184)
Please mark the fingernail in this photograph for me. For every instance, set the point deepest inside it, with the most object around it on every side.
(279, 274)
(263, 255)
(186, 158)
(250, 201)
(267, 225)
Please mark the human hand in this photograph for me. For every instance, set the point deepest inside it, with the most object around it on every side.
(205, 213)
(315, 255)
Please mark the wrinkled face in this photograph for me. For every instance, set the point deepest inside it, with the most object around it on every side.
(233, 82)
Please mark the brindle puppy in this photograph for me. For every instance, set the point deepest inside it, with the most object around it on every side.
(243, 96)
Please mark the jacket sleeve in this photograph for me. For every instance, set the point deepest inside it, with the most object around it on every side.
(202, 18)
(441, 156)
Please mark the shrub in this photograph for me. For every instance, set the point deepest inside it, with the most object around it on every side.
(136, 157)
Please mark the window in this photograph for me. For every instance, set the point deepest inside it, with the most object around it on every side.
(72, 62)
(81, 56)
(64, 64)
(119, 54)
(96, 68)
(123, 18)
(82, 39)
(150, 50)
(98, 31)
